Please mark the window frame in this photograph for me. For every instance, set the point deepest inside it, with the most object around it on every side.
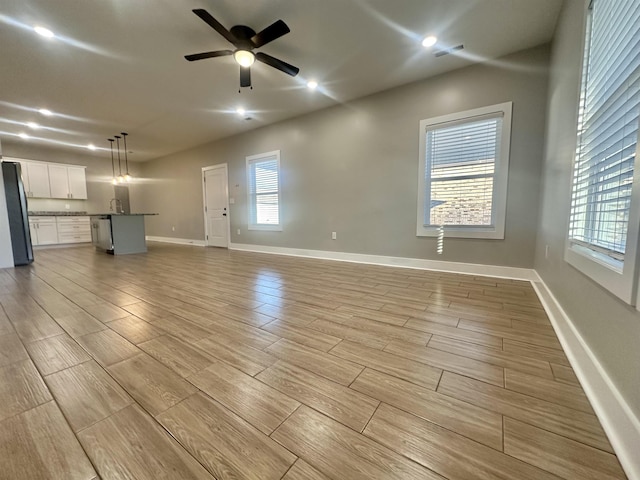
(620, 277)
(501, 175)
(253, 159)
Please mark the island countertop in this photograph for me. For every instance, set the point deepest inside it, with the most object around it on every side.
(113, 214)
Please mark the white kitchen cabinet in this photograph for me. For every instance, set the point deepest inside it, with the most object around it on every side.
(25, 177)
(51, 180)
(58, 181)
(67, 182)
(33, 232)
(73, 229)
(44, 230)
(77, 183)
(37, 179)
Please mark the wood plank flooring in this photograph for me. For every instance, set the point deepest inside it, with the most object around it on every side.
(194, 363)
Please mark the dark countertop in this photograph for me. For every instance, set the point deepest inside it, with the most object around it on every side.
(83, 214)
(113, 214)
(66, 213)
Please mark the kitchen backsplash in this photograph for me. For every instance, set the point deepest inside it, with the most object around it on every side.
(56, 205)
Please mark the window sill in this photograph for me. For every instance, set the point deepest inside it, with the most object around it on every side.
(266, 228)
(605, 271)
(491, 233)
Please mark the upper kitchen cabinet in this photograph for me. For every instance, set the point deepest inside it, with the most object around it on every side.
(35, 178)
(67, 182)
(77, 182)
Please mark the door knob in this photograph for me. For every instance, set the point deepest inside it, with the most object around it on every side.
(224, 214)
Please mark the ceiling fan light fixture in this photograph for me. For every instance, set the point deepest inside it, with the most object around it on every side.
(240, 111)
(312, 84)
(245, 58)
(429, 41)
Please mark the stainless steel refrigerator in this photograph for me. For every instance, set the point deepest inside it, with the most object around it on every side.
(18, 216)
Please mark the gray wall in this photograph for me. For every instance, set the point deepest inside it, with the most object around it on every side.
(611, 328)
(353, 169)
(99, 187)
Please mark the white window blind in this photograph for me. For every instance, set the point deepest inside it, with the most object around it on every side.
(460, 170)
(463, 173)
(264, 190)
(607, 129)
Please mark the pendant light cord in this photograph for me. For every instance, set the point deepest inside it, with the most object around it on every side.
(113, 167)
(119, 165)
(126, 159)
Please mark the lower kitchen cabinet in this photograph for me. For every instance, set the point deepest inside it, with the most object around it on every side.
(44, 230)
(59, 230)
(73, 229)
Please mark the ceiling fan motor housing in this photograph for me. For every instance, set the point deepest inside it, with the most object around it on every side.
(243, 35)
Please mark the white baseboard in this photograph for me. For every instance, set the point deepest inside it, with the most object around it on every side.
(179, 241)
(617, 418)
(59, 245)
(513, 273)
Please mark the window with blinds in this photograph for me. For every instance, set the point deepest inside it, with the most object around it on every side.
(263, 173)
(463, 168)
(604, 217)
(607, 129)
(461, 161)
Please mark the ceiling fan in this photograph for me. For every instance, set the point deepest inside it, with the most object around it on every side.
(245, 39)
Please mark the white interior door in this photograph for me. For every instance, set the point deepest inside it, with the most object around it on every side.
(216, 206)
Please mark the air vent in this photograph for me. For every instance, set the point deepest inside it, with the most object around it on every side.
(447, 51)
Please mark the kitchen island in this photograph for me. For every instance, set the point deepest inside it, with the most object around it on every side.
(119, 233)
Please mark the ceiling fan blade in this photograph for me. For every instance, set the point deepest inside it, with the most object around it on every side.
(279, 64)
(245, 76)
(269, 34)
(202, 56)
(216, 25)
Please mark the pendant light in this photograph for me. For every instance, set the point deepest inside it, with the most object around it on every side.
(113, 167)
(120, 177)
(127, 177)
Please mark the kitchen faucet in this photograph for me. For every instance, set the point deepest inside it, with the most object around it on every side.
(117, 201)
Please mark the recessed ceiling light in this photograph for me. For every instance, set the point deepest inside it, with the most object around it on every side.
(312, 84)
(45, 32)
(45, 112)
(429, 41)
(23, 135)
(33, 125)
(240, 111)
(91, 146)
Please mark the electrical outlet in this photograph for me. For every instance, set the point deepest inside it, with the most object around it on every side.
(173, 229)
(67, 206)
(334, 235)
(232, 201)
(238, 231)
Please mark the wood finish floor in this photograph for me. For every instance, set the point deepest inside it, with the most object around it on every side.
(192, 363)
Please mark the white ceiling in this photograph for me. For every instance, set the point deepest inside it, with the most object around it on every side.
(117, 65)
